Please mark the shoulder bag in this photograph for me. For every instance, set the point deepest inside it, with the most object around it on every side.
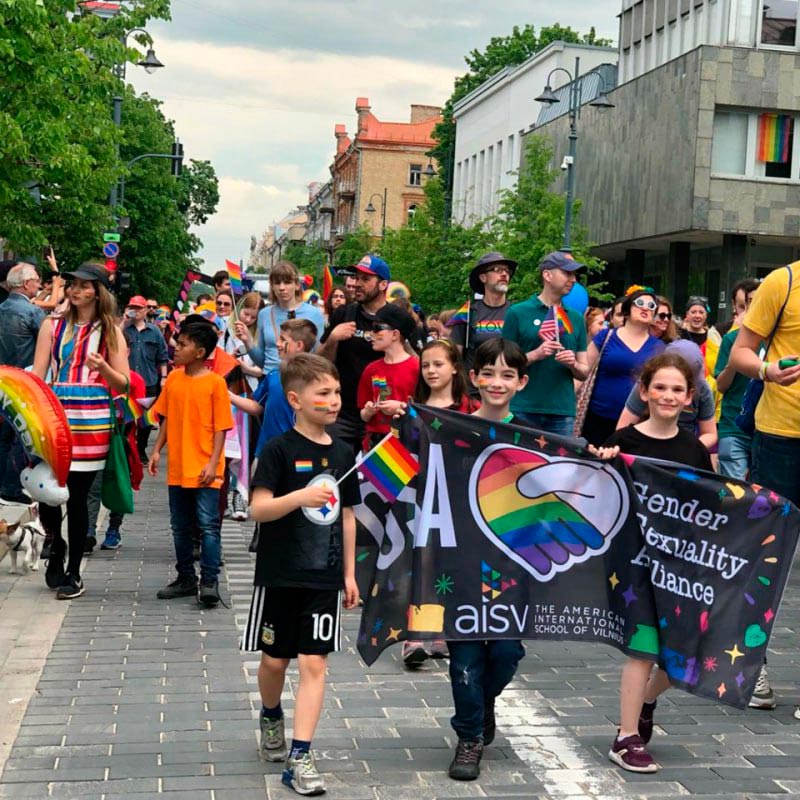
(585, 392)
(746, 418)
(117, 491)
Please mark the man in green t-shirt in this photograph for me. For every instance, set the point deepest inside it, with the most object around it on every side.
(554, 340)
(734, 443)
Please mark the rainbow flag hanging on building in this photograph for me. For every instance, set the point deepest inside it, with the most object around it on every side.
(235, 275)
(461, 317)
(773, 137)
(389, 467)
(327, 282)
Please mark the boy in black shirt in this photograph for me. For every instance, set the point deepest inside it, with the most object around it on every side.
(306, 556)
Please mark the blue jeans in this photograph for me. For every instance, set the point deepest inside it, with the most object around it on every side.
(776, 464)
(192, 509)
(479, 671)
(734, 457)
(12, 462)
(551, 423)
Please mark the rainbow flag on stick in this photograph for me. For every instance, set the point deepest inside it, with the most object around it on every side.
(773, 137)
(327, 282)
(555, 324)
(461, 317)
(127, 409)
(235, 275)
(388, 466)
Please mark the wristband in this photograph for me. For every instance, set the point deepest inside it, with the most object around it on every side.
(762, 371)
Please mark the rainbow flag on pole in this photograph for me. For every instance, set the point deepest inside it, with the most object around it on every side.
(389, 467)
(773, 137)
(461, 317)
(235, 275)
(327, 282)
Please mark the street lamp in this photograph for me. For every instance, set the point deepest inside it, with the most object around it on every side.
(548, 97)
(370, 209)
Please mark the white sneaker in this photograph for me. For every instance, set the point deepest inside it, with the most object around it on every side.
(239, 512)
(763, 696)
(301, 775)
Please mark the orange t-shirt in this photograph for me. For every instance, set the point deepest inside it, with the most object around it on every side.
(195, 409)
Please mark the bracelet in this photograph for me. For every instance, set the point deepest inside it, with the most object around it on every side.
(762, 371)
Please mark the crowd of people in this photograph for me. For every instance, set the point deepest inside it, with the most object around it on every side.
(265, 405)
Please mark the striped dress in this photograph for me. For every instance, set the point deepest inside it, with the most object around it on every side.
(82, 394)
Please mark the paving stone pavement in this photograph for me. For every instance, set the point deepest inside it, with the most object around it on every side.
(141, 698)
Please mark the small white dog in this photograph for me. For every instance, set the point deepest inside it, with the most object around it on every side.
(23, 539)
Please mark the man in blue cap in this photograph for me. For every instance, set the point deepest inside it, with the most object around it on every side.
(554, 340)
(347, 341)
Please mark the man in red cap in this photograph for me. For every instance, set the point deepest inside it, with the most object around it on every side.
(147, 355)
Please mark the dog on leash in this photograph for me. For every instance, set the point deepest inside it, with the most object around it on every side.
(24, 541)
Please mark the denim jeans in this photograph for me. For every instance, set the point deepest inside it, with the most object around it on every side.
(734, 457)
(12, 462)
(479, 671)
(190, 509)
(776, 464)
(550, 423)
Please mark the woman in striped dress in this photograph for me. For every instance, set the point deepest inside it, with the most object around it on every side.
(82, 356)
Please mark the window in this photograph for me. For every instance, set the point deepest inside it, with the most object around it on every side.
(779, 22)
(410, 211)
(415, 175)
(729, 148)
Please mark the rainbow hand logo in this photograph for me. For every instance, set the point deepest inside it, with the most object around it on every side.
(546, 513)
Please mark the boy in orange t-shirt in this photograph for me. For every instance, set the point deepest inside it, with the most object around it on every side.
(196, 413)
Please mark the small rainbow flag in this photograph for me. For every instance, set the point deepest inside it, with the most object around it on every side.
(303, 466)
(380, 387)
(555, 315)
(461, 317)
(773, 137)
(235, 275)
(327, 282)
(563, 318)
(127, 409)
(150, 419)
(389, 467)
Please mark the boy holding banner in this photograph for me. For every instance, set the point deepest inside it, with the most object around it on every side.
(304, 491)
(479, 671)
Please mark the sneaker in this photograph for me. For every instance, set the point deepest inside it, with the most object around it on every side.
(180, 587)
(112, 541)
(73, 587)
(90, 543)
(646, 721)
(797, 712)
(763, 696)
(209, 593)
(489, 723)
(438, 649)
(54, 574)
(631, 754)
(239, 508)
(301, 775)
(413, 653)
(272, 746)
(466, 764)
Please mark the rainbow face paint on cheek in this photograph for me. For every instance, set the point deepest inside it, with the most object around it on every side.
(321, 405)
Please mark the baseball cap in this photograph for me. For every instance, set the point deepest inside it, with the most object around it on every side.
(484, 262)
(137, 301)
(373, 265)
(90, 272)
(559, 260)
(399, 319)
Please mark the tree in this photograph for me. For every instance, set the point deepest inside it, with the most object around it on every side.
(501, 52)
(57, 138)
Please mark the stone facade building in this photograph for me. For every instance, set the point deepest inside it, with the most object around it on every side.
(692, 180)
(382, 162)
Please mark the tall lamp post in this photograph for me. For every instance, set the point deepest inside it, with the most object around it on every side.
(549, 97)
(370, 209)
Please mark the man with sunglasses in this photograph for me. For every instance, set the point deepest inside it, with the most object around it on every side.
(490, 278)
(152, 310)
(347, 342)
(147, 355)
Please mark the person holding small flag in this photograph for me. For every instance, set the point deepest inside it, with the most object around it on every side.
(553, 338)
(477, 321)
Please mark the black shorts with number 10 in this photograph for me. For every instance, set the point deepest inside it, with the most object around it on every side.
(285, 622)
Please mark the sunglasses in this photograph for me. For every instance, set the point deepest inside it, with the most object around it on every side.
(650, 305)
(223, 304)
(152, 308)
(663, 316)
(377, 327)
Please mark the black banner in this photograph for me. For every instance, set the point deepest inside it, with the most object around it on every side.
(511, 533)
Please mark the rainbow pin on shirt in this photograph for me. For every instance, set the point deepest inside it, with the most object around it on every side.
(303, 466)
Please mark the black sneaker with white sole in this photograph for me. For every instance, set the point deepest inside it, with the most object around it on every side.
(73, 587)
(180, 587)
(54, 573)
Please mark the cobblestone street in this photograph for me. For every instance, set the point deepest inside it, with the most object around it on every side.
(141, 698)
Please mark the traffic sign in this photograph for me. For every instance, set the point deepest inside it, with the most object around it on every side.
(111, 237)
(111, 250)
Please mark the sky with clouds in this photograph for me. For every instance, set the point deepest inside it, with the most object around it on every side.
(256, 86)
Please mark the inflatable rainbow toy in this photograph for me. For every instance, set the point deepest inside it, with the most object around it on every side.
(29, 405)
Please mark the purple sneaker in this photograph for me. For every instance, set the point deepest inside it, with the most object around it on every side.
(631, 754)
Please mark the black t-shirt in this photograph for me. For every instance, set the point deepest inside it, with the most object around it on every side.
(304, 548)
(352, 355)
(685, 448)
(698, 338)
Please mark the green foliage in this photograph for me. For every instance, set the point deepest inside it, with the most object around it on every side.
(355, 245)
(501, 52)
(308, 258)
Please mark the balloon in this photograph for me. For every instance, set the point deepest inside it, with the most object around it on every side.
(41, 484)
(307, 281)
(577, 299)
(311, 296)
(396, 289)
(28, 404)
